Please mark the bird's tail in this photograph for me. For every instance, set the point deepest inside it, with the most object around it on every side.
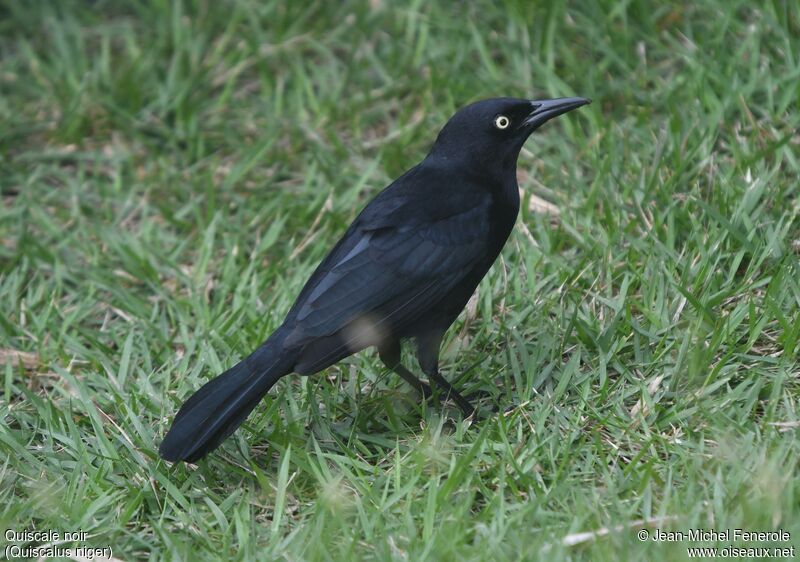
(215, 411)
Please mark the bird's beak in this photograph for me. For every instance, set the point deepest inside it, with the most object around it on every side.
(544, 110)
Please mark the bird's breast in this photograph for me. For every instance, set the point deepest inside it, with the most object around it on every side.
(504, 211)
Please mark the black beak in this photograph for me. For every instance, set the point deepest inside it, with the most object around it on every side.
(544, 110)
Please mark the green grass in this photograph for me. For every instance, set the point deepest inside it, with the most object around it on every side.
(171, 172)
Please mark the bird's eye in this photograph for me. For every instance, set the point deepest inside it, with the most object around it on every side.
(502, 122)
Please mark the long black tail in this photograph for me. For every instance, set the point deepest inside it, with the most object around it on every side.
(215, 411)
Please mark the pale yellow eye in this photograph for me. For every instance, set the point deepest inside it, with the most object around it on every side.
(502, 122)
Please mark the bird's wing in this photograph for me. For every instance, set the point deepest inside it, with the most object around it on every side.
(399, 257)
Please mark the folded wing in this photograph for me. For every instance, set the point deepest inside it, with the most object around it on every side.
(392, 265)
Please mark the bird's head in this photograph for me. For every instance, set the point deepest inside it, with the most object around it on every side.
(490, 133)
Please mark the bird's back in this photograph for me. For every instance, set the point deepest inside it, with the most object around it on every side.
(411, 258)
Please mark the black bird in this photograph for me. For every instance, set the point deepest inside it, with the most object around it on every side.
(405, 268)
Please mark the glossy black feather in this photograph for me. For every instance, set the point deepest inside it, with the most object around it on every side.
(405, 268)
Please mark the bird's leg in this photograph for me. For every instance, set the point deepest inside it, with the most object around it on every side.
(422, 387)
(389, 353)
(451, 392)
(428, 355)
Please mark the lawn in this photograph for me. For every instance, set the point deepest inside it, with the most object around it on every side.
(172, 172)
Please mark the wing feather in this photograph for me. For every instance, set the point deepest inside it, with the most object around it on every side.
(393, 264)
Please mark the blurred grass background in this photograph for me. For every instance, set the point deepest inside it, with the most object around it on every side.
(172, 171)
